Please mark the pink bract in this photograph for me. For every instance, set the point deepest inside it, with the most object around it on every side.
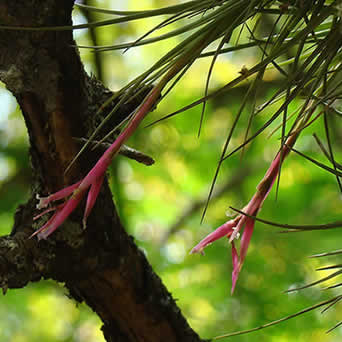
(92, 182)
(243, 222)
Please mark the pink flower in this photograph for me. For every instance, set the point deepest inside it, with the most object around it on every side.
(92, 182)
(232, 229)
(94, 179)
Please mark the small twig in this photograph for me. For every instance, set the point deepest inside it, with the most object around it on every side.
(124, 151)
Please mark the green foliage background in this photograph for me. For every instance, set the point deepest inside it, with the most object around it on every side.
(151, 199)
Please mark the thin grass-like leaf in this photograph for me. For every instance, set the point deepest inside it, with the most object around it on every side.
(338, 252)
(294, 69)
(330, 149)
(337, 224)
(130, 16)
(148, 13)
(243, 332)
(315, 66)
(333, 286)
(319, 164)
(225, 39)
(171, 34)
(254, 88)
(225, 147)
(331, 305)
(334, 327)
(331, 276)
(314, 22)
(331, 267)
(325, 152)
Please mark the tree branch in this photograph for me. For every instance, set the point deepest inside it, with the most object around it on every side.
(100, 265)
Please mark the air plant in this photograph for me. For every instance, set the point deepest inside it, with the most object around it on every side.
(244, 221)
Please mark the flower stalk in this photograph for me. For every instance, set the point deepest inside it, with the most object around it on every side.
(245, 223)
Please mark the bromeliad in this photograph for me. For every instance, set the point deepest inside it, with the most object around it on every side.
(94, 179)
(244, 221)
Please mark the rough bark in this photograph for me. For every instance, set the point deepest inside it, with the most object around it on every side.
(100, 265)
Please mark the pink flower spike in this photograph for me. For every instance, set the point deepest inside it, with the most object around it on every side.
(59, 217)
(94, 178)
(45, 201)
(246, 239)
(235, 262)
(235, 256)
(102, 164)
(56, 208)
(91, 199)
(232, 228)
(224, 230)
(45, 226)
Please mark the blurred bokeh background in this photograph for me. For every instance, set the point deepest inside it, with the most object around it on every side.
(161, 205)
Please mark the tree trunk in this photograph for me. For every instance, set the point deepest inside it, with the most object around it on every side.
(100, 265)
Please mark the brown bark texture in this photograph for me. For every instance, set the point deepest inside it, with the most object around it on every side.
(101, 265)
